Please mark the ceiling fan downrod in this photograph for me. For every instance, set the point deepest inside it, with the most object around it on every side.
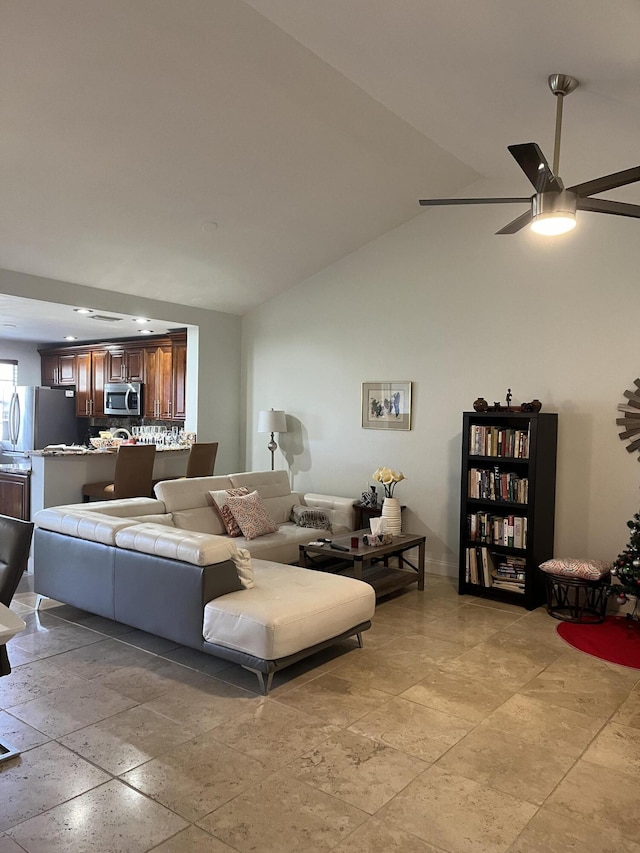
(560, 85)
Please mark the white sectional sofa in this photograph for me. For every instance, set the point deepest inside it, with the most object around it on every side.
(168, 567)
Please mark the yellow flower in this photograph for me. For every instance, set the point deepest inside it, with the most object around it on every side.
(388, 478)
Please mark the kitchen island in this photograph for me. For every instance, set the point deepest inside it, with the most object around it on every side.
(57, 477)
(14, 489)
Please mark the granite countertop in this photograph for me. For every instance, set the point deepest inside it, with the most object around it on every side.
(74, 450)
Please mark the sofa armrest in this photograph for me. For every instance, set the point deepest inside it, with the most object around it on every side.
(340, 510)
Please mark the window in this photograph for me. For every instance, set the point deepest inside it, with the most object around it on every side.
(8, 380)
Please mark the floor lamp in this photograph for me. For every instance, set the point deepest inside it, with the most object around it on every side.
(272, 420)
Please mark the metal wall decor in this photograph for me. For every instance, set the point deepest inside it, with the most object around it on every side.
(630, 420)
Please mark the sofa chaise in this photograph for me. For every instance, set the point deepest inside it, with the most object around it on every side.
(167, 566)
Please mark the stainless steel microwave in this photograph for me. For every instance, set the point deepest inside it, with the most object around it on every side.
(122, 398)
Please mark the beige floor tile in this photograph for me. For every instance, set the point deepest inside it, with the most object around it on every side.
(18, 657)
(600, 797)
(128, 739)
(495, 605)
(617, 747)
(452, 694)
(357, 770)
(202, 709)
(56, 640)
(42, 778)
(69, 708)
(496, 661)
(379, 836)
(103, 658)
(308, 820)
(34, 680)
(128, 821)
(147, 682)
(595, 694)
(458, 814)
(628, 714)
(191, 840)
(549, 832)
(197, 777)
(434, 649)
(469, 625)
(273, 733)
(389, 670)
(19, 734)
(412, 728)
(574, 663)
(8, 845)
(508, 764)
(565, 731)
(334, 700)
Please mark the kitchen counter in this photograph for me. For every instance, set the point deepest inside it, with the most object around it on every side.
(57, 477)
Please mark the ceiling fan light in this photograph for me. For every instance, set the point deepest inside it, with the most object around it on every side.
(553, 213)
(552, 224)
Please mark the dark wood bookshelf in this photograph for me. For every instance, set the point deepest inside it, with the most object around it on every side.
(539, 467)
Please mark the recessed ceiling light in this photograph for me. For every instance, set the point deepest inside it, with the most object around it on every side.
(146, 331)
(83, 310)
(9, 325)
(70, 338)
(141, 320)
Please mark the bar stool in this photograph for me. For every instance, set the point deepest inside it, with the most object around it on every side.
(202, 458)
(132, 478)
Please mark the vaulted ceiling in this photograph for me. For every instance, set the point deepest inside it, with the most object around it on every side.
(216, 152)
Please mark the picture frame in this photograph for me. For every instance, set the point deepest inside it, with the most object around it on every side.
(386, 405)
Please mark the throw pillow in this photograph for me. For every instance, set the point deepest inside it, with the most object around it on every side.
(307, 516)
(220, 498)
(244, 567)
(252, 515)
(577, 567)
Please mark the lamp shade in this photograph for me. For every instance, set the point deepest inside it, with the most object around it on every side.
(272, 420)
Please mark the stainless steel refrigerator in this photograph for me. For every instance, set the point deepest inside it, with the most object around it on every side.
(37, 417)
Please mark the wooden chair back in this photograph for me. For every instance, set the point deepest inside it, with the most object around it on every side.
(202, 458)
(133, 475)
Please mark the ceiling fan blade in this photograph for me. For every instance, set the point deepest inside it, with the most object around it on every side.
(428, 202)
(602, 205)
(532, 162)
(517, 224)
(607, 182)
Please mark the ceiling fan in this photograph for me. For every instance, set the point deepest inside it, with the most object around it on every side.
(553, 206)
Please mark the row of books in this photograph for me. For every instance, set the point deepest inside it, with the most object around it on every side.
(508, 530)
(491, 570)
(498, 485)
(498, 441)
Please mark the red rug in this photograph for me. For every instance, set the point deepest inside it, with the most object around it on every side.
(616, 640)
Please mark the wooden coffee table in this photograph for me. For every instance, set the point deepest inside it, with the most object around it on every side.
(370, 563)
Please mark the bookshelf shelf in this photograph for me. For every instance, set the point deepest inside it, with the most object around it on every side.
(502, 542)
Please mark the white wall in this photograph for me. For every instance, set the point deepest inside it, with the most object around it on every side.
(213, 354)
(28, 358)
(462, 313)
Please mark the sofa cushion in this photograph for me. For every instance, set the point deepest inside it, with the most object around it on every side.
(305, 516)
(220, 498)
(200, 549)
(202, 519)
(190, 492)
(288, 609)
(83, 524)
(165, 518)
(251, 514)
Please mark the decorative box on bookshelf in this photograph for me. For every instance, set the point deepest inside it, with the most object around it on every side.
(507, 504)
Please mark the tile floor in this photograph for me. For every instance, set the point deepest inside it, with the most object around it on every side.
(461, 726)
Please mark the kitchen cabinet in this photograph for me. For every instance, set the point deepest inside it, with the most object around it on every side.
(58, 368)
(15, 494)
(158, 384)
(179, 378)
(125, 364)
(90, 379)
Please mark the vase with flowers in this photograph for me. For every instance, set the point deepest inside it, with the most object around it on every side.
(391, 505)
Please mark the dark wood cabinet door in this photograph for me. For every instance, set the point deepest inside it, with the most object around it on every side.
(134, 364)
(67, 369)
(98, 366)
(179, 370)
(149, 394)
(83, 384)
(15, 495)
(49, 369)
(164, 382)
(115, 366)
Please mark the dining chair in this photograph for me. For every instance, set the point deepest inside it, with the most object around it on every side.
(15, 541)
(202, 458)
(133, 475)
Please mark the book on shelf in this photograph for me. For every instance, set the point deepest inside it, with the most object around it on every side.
(504, 442)
(507, 530)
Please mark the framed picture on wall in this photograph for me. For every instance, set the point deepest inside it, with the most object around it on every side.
(386, 405)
